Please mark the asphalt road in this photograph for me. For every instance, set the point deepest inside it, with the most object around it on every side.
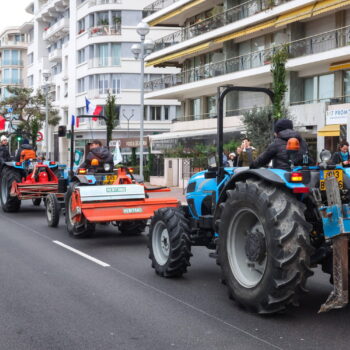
(54, 298)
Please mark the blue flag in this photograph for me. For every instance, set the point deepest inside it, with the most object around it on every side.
(73, 120)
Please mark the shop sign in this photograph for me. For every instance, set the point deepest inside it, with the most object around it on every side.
(337, 116)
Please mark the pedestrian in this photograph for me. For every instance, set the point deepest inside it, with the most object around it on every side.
(248, 154)
(231, 159)
(342, 156)
(238, 159)
(277, 151)
(4, 150)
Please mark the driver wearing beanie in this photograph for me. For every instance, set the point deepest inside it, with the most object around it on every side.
(276, 151)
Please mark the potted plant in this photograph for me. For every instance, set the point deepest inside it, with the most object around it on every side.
(103, 22)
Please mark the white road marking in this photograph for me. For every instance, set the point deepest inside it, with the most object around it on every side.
(86, 256)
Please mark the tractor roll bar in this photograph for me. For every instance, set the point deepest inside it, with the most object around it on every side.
(221, 94)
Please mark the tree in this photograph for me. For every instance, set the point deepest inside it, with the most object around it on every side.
(30, 108)
(112, 116)
(279, 87)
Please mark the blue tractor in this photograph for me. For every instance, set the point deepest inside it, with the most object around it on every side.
(268, 227)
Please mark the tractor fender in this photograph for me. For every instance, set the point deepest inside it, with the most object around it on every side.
(84, 179)
(241, 175)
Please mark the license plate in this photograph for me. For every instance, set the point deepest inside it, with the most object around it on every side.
(109, 179)
(338, 174)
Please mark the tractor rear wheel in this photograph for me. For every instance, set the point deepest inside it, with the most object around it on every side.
(169, 242)
(81, 228)
(264, 249)
(36, 201)
(53, 210)
(9, 204)
(132, 228)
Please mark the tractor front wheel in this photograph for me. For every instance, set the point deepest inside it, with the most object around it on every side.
(264, 249)
(169, 242)
(53, 210)
(76, 224)
(9, 204)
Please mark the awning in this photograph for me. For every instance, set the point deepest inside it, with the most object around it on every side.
(339, 65)
(294, 16)
(175, 12)
(178, 54)
(329, 130)
(246, 31)
(328, 5)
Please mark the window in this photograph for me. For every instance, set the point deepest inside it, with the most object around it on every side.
(11, 76)
(319, 88)
(81, 85)
(115, 54)
(347, 86)
(166, 112)
(30, 81)
(103, 84)
(30, 58)
(81, 56)
(115, 84)
(81, 26)
(155, 113)
(196, 109)
(211, 105)
(102, 54)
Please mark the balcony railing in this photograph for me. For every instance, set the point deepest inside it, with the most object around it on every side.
(236, 13)
(57, 30)
(104, 2)
(105, 30)
(303, 47)
(11, 63)
(12, 81)
(156, 6)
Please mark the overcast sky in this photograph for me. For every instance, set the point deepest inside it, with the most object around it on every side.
(12, 13)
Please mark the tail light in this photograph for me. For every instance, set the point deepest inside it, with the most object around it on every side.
(131, 170)
(94, 162)
(301, 190)
(296, 177)
(52, 163)
(18, 163)
(82, 171)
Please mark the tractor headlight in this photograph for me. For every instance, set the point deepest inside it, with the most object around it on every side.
(325, 155)
(107, 167)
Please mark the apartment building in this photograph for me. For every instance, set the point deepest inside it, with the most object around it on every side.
(223, 42)
(86, 47)
(13, 58)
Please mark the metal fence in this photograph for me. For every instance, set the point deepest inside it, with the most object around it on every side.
(157, 166)
(307, 46)
(156, 6)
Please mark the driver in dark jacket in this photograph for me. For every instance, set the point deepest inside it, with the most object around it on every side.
(97, 151)
(277, 152)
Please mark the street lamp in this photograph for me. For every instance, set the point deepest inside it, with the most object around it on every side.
(128, 118)
(141, 51)
(46, 76)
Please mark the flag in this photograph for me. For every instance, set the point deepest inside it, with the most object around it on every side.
(2, 122)
(72, 121)
(92, 109)
(117, 157)
(75, 121)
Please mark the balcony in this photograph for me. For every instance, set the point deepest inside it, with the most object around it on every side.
(11, 81)
(11, 43)
(105, 30)
(55, 55)
(233, 14)
(156, 6)
(104, 2)
(308, 46)
(4, 63)
(57, 31)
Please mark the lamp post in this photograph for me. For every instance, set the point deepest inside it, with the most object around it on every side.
(140, 51)
(46, 76)
(128, 118)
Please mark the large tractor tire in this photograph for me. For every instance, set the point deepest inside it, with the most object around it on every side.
(77, 228)
(9, 204)
(264, 248)
(53, 210)
(169, 242)
(132, 228)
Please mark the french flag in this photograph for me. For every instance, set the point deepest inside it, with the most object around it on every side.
(92, 109)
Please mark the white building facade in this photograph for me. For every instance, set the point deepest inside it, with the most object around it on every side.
(223, 42)
(86, 46)
(13, 59)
